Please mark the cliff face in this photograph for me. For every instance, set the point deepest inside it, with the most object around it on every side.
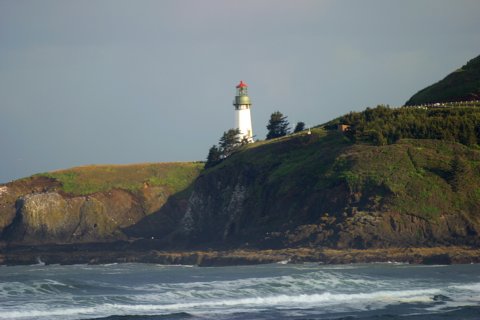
(39, 209)
(319, 190)
(264, 191)
(50, 217)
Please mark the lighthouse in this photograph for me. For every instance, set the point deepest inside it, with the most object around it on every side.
(243, 119)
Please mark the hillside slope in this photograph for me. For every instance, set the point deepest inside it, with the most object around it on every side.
(322, 190)
(460, 85)
(317, 190)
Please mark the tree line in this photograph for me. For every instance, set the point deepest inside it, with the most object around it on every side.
(383, 125)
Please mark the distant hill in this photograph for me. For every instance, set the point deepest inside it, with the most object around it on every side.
(460, 85)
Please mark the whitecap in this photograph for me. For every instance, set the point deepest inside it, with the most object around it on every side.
(357, 301)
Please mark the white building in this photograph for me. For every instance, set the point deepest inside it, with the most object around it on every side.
(243, 119)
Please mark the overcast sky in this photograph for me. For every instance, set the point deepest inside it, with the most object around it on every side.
(91, 82)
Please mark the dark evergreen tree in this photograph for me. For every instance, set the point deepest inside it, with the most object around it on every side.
(300, 126)
(461, 173)
(278, 125)
(229, 142)
(377, 138)
(214, 157)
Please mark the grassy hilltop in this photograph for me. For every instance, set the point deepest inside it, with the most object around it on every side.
(85, 180)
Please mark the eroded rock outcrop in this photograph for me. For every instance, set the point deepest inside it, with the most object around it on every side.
(52, 217)
(37, 210)
(229, 219)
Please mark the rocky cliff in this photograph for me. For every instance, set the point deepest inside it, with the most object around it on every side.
(88, 204)
(319, 190)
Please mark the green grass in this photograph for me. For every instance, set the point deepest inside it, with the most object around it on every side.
(416, 175)
(409, 177)
(174, 177)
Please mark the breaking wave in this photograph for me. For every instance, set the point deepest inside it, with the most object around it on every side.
(85, 292)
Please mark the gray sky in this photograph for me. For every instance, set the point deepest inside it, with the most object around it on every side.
(85, 82)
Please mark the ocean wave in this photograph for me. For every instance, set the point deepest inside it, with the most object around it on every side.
(308, 300)
(76, 293)
(475, 287)
(358, 301)
(38, 287)
(299, 283)
(176, 265)
(50, 313)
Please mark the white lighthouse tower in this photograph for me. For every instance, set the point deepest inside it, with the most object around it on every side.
(243, 119)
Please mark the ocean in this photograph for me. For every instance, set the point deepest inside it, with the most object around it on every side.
(275, 291)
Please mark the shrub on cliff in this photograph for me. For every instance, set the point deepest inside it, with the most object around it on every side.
(300, 126)
(278, 125)
(228, 144)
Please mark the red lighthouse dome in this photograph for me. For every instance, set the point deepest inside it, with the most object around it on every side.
(242, 85)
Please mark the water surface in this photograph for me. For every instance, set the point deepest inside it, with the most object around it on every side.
(278, 291)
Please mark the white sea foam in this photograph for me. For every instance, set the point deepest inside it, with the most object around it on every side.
(306, 282)
(311, 289)
(303, 300)
(470, 287)
(176, 265)
(50, 313)
(357, 301)
(284, 261)
(39, 262)
(43, 287)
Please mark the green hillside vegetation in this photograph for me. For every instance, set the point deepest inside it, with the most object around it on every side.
(382, 125)
(100, 178)
(461, 85)
(423, 177)
(426, 160)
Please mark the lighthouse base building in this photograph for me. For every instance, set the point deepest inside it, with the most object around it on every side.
(243, 118)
